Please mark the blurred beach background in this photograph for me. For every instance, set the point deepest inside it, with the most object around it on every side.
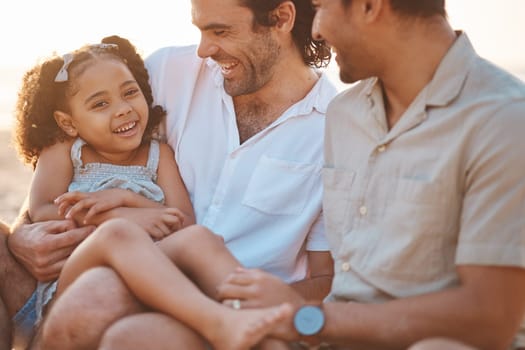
(33, 29)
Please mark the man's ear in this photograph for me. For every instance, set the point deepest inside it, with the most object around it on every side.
(65, 122)
(283, 17)
(371, 9)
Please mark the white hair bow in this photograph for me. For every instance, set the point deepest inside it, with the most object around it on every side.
(62, 73)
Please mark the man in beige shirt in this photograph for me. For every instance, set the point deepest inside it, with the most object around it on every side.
(424, 185)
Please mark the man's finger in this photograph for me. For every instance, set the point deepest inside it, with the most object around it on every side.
(69, 238)
(56, 226)
(51, 272)
(234, 291)
(242, 278)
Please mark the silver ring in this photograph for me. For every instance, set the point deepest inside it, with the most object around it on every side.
(236, 304)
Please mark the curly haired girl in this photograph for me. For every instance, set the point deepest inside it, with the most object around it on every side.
(85, 122)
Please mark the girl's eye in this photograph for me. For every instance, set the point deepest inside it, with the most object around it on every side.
(99, 104)
(132, 92)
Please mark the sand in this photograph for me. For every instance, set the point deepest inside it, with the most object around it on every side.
(14, 179)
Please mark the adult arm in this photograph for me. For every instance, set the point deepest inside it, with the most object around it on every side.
(319, 280)
(485, 311)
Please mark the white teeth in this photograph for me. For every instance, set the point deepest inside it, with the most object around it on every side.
(226, 67)
(126, 127)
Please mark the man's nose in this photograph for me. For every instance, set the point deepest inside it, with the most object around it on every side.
(207, 47)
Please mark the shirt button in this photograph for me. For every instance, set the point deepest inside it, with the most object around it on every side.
(345, 266)
(381, 148)
(363, 210)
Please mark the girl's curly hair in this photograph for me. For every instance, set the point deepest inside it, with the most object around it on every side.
(40, 95)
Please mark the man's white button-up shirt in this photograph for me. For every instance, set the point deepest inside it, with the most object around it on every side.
(263, 196)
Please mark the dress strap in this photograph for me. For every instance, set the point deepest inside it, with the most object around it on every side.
(76, 152)
(153, 156)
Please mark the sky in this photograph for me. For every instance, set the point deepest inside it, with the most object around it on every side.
(33, 29)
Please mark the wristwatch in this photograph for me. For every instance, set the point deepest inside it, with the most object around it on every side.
(309, 320)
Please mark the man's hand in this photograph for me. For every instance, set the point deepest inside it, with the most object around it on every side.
(256, 288)
(42, 248)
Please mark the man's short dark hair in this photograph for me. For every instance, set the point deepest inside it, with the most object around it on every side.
(315, 53)
(417, 8)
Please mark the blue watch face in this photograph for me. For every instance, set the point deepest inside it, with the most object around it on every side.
(309, 320)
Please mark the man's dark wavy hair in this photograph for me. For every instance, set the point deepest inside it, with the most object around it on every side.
(315, 53)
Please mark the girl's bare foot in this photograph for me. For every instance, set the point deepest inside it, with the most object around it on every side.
(243, 329)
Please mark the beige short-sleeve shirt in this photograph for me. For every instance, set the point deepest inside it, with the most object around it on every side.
(444, 187)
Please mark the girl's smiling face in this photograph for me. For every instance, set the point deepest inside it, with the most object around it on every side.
(107, 109)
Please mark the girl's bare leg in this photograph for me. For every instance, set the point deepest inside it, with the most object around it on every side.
(157, 282)
(201, 255)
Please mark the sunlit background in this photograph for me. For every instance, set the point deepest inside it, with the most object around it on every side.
(33, 29)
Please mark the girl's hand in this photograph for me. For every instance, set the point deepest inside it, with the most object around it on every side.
(72, 204)
(157, 222)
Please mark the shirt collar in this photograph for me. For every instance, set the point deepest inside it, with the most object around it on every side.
(451, 73)
(318, 97)
(449, 77)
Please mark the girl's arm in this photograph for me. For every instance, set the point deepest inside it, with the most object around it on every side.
(51, 178)
(77, 204)
(170, 181)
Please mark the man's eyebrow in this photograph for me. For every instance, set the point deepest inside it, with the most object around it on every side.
(215, 26)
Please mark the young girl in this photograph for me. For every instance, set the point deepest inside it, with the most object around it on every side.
(85, 123)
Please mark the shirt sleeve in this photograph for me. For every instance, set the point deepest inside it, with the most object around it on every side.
(493, 213)
(316, 240)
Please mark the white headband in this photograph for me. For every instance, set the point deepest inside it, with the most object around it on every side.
(68, 58)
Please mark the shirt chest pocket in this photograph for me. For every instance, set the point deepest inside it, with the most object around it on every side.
(279, 187)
